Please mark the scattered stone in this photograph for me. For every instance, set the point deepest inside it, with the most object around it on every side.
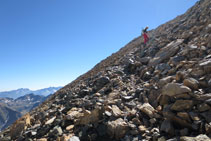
(70, 127)
(180, 76)
(50, 121)
(108, 113)
(142, 128)
(147, 109)
(116, 111)
(191, 83)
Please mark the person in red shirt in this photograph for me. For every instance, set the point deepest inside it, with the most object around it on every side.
(144, 33)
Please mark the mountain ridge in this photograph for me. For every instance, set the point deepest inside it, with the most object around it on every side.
(23, 91)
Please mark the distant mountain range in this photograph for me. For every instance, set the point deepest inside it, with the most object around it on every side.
(15, 103)
(23, 91)
(11, 109)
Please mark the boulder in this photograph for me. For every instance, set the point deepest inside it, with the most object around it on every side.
(117, 129)
(83, 117)
(101, 82)
(191, 83)
(116, 111)
(181, 105)
(165, 81)
(147, 109)
(172, 89)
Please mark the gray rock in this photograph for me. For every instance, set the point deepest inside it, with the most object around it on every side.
(99, 83)
(145, 60)
(162, 67)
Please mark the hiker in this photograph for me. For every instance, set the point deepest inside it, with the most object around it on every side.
(144, 33)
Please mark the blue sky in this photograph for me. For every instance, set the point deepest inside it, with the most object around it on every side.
(51, 42)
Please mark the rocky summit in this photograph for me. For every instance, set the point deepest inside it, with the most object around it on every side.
(157, 92)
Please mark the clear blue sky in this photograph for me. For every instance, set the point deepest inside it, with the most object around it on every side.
(51, 42)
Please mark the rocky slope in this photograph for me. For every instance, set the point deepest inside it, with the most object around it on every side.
(156, 92)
